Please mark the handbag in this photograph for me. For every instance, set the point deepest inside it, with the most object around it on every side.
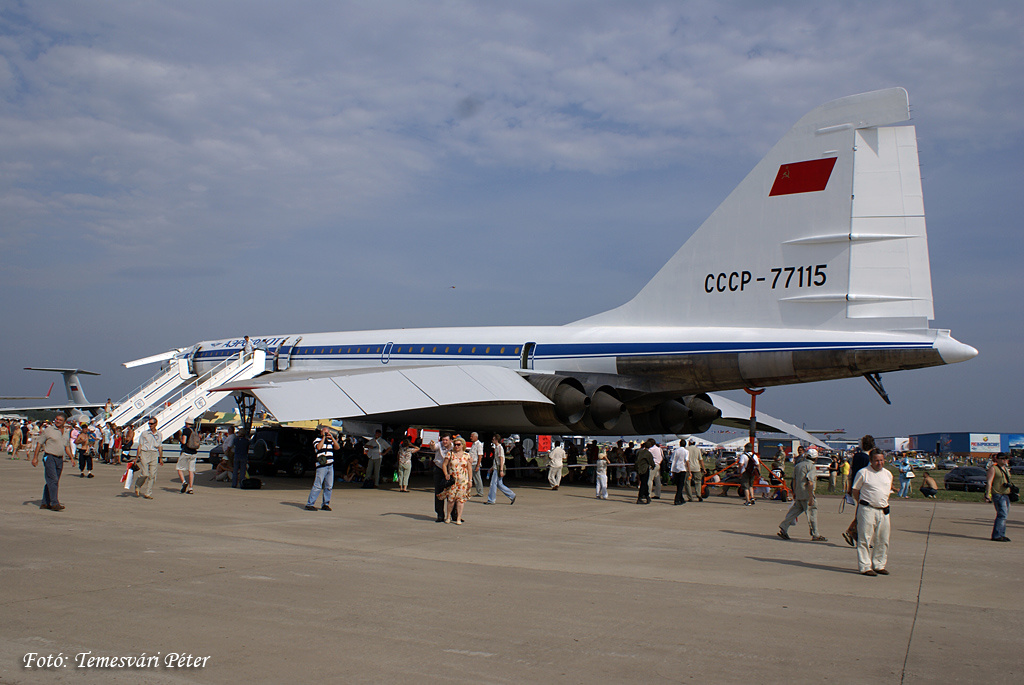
(450, 482)
(1014, 494)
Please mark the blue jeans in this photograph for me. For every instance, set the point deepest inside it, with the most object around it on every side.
(905, 486)
(1002, 505)
(496, 485)
(241, 464)
(324, 481)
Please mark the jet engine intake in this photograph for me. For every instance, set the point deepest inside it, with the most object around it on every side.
(606, 409)
(570, 400)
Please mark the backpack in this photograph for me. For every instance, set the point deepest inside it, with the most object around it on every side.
(751, 467)
(251, 484)
(194, 440)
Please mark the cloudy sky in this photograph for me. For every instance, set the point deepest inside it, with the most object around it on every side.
(179, 171)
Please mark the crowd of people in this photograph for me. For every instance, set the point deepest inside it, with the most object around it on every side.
(459, 465)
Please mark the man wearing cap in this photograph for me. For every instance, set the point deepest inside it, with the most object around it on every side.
(997, 491)
(871, 489)
(151, 453)
(804, 482)
(55, 443)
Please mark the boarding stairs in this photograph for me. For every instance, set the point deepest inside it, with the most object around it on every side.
(198, 396)
(175, 376)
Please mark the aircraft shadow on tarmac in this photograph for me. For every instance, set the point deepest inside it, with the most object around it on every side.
(804, 564)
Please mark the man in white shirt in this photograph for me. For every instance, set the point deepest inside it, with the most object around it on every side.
(654, 477)
(476, 453)
(555, 458)
(679, 472)
(871, 489)
(749, 466)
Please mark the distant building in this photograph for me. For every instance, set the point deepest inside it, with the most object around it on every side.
(967, 444)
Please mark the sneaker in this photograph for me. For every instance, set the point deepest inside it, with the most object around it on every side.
(325, 507)
(88, 475)
(783, 534)
(512, 501)
(310, 508)
(869, 573)
(147, 497)
(1001, 539)
(819, 538)
(849, 539)
(881, 572)
(184, 487)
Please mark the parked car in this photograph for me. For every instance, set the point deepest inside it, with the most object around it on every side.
(1017, 469)
(948, 465)
(821, 465)
(725, 458)
(215, 455)
(968, 478)
(282, 448)
(923, 464)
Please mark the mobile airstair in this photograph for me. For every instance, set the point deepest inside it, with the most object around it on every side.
(196, 397)
(174, 377)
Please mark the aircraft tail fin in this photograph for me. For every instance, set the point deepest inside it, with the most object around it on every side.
(72, 384)
(827, 231)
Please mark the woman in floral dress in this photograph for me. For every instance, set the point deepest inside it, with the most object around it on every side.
(456, 464)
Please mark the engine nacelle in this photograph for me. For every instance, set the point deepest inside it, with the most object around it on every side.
(692, 414)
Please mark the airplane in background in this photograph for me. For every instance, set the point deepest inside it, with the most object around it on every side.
(814, 268)
(77, 408)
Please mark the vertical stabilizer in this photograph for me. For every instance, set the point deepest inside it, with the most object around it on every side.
(827, 231)
(72, 385)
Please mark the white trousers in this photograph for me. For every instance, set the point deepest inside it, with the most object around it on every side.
(555, 475)
(872, 531)
(654, 482)
(602, 485)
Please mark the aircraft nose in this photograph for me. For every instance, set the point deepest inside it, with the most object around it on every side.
(953, 351)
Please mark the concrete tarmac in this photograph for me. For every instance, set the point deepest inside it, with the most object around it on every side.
(560, 587)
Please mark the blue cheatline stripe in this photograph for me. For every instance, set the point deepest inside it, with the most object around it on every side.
(563, 350)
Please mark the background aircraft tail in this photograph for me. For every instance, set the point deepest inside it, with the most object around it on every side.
(827, 231)
(73, 386)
